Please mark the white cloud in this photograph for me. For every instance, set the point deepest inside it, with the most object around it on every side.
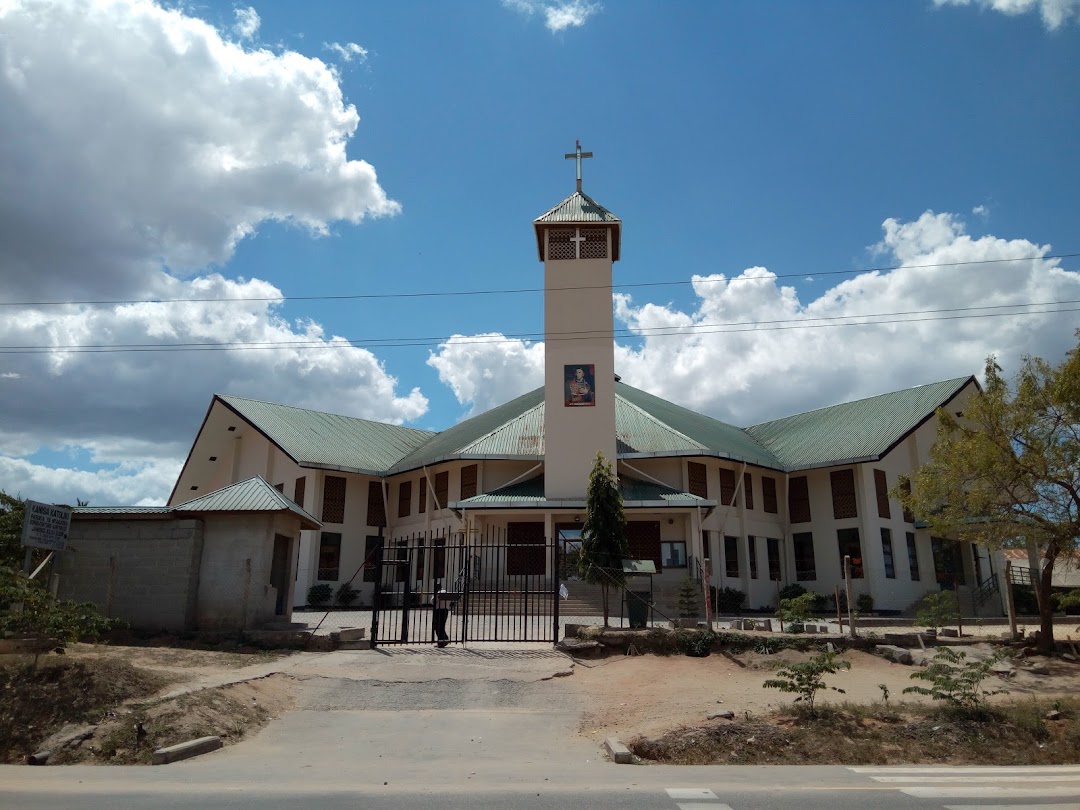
(751, 373)
(489, 369)
(558, 14)
(185, 143)
(347, 52)
(981, 211)
(1054, 13)
(247, 22)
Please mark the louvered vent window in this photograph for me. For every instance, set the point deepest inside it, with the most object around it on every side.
(468, 481)
(423, 496)
(442, 489)
(298, 491)
(881, 487)
(333, 503)
(799, 500)
(699, 482)
(843, 494)
(727, 487)
(577, 243)
(748, 490)
(404, 499)
(768, 494)
(376, 510)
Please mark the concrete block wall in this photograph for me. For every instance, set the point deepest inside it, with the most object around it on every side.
(145, 572)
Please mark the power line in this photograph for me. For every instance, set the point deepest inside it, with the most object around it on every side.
(875, 319)
(519, 290)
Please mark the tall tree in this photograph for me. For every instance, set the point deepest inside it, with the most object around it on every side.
(603, 536)
(12, 511)
(1008, 470)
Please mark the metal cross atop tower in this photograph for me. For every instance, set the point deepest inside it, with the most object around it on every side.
(578, 155)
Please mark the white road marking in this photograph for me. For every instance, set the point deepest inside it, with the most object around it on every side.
(978, 779)
(945, 769)
(702, 806)
(691, 793)
(991, 793)
(1069, 806)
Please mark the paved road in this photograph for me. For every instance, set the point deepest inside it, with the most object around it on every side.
(486, 729)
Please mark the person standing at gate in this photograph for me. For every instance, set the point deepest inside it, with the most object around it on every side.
(440, 609)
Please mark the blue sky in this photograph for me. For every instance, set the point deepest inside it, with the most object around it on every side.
(196, 152)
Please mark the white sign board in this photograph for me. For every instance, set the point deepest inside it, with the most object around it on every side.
(46, 526)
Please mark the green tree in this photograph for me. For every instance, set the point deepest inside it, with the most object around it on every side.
(1008, 469)
(937, 610)
(806, 678)
(603, 535)
(12, 511)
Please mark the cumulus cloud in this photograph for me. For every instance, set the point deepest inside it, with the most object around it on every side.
(347, 52)
(558, 14)
(1054, 13)
(981, 211)
(247, 22)
(488, 369)
(751, 349)
(135, 159)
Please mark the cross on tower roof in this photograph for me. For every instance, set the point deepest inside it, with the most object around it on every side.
(578, 155)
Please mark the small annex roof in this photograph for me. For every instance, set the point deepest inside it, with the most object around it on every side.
(864, 429)
(530, 494)
(578, 209)
(252, 495)
(318, 439)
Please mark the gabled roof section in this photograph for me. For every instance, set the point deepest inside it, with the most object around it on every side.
(530, 493)
(578, 209)
(321, 439)
(505, 430)
(862, 430)
(252, 495)
(711, 435)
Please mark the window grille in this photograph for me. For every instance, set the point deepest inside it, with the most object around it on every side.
(577, 243)
(559, 244)
(468, 481)
(329, 556)
(595, 244)
(799, 500)
(333, 505)
(768, 494)
(404, 500)
(748, 489)
(529, 555)
(727, 487)
(442, 489)
(843, 494)
(299, 491)
(699, 482)
(881, 487)
(376, 509)
(423, 496)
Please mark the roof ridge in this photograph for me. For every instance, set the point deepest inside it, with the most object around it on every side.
(227, 397)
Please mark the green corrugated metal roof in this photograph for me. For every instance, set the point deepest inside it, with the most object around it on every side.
(490, 429)
(532, 492)
(866, 428)
(252, 495)
(330, 440)
(578, 208)
(710, 434)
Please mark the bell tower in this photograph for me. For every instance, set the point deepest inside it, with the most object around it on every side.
(578, 241)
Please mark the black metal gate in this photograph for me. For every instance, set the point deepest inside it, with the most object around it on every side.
(498, 590)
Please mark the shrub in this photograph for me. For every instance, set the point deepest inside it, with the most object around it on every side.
(806, 679)
(957, 681)
(346, 595)
(797, 609)
(689, 599)
(937, 610)
(792, 591)
(695, 643)
(319, 594)
(864, 603)
(728, 600)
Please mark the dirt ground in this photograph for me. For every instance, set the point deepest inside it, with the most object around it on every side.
(649, 694)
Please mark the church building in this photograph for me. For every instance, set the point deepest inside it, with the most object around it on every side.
(767, 505)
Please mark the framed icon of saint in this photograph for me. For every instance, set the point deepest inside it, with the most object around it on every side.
(579, 385)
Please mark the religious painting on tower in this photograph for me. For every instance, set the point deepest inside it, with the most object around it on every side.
(580, 385)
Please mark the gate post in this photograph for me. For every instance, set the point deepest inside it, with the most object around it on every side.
(376, 599)
(555, 549)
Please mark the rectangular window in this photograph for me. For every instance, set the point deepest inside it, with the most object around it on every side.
(468, 481)
(772, 547)
(913, 557)
(376, 509)
(848, 540)
(805, 568)
(887, 553)
(333, 500)
(768, 494)
(881, 489)
(404, 499)
(329, 556)
(527, 553)
(643, 539)
(905, 486)
(299, 491)
(843, 494)
(423, 496)
(731, 556)
(748, 489)
(442, 489)
(673, 554)
(727, 487)
(751, 551)
(948, 562)
(699, 481)
(799, 500)
(371, 551)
